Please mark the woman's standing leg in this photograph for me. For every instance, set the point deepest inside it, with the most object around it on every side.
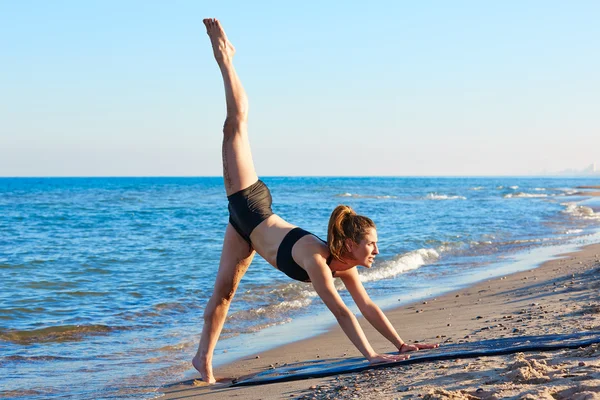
(235, 259)
(238, 174)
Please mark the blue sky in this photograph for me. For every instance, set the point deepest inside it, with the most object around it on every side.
(130, 88)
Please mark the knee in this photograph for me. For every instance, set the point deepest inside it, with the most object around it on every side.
(217, 306)
(221, 298)
(234, 124)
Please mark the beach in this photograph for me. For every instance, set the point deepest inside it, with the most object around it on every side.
(106, 279)
(559, 296)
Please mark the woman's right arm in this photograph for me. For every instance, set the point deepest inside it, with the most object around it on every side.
(320, 276)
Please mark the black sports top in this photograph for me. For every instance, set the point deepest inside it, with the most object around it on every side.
(285, 261)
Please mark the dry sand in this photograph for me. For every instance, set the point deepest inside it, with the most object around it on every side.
(560, 296)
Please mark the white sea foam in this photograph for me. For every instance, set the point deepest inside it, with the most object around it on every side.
(481, 243)
(568, 192)
(539, 189)
(273, 311)
(579, 211)
(573, 231)
(477, 188)
(435, 196)
(514, 187)
(259, 327)
(523, 241)
(365, 196)
(500, 187)
(399, 264)
(522, 194)
(451, 246)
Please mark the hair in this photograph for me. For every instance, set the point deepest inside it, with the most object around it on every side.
(344, 224)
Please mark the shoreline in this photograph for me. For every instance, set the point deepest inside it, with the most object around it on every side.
(551, 287)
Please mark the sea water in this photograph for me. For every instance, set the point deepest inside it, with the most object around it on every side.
(104, 280)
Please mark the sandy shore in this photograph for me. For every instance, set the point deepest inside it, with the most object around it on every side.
(560, 296)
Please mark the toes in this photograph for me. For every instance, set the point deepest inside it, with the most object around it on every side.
(209, 23)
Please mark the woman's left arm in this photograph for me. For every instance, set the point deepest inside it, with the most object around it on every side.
(373, 313)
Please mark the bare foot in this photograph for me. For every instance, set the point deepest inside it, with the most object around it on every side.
(388, 358)
(222, 47)
(204, 368)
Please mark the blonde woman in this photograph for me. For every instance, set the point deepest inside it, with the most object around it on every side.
(254, 228)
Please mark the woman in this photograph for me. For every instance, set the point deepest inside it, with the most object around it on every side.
(351, 239)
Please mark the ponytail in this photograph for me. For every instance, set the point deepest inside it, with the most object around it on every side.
(344, 224)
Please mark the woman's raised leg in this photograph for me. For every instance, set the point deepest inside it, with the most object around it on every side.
(238, 167)
(235, 259)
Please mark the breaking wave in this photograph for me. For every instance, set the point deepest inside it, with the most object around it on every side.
(580, 211)
(365, 196)
(399, 264)
(435, 196)
(523, 194)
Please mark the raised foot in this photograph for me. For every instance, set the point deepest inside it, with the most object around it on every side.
(222, 48)
(204, 369)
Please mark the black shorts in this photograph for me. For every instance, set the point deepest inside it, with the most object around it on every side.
(249, 207)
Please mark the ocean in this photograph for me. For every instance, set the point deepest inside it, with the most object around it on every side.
(104, 280)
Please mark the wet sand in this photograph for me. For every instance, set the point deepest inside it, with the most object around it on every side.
(560, 296)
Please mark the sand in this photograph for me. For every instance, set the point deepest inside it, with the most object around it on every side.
(587, 191)
(560, 296)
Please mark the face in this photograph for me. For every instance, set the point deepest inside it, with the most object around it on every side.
(364, 252)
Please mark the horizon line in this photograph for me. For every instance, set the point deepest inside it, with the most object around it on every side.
(557, 175)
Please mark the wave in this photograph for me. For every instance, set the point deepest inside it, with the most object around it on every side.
(170, 307)
(256, 328)
(485, 245)
(365, 196)
(21, 393)
(299, 296)
(60, 333)
(399, 264)
(573, 231)
(17, 358)
(273, 311)
(477, 188)
(435, 196)
(568, 192)
(22, 310)
(51, 285)
(523, 194)
(579, 211)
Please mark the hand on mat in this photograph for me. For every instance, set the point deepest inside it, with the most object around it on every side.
(405, 348)
(387, 358)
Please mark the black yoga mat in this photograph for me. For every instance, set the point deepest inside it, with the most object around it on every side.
(492, 347)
